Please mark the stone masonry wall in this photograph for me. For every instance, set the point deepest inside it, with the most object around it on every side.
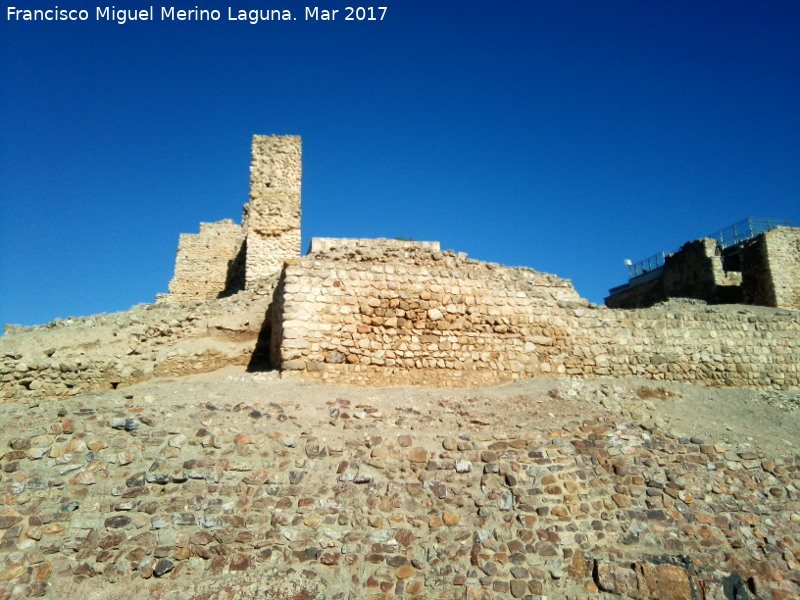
(368, 245)
(272, 219)
(70, 357)
(771, 268)
(431, 317)
(441, 319)
(206, 262)
(640, 296)
(731, 346)
(769, 263)
(694, 271)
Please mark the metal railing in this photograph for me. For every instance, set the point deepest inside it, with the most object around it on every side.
(737, 233)
(728, 237)
(649, 264)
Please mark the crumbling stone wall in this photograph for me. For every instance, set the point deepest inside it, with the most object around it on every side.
(438, 318)
(765, 274)
(771, 268)
(207, 263)
(225, 257)
(417, 316)
(272, 219)
(695, 271)
(69, 357)
(370, 246)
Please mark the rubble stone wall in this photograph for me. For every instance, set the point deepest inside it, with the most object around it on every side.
(272, 218)
(770, 265)
(69, 357)
(458, 322)
(695, 271)
(731, 346)
(206, 262)
(416, 322)
(359, 245)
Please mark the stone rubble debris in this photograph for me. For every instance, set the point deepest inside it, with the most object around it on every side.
(445, 499)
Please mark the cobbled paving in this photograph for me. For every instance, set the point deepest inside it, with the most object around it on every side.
(254, 487)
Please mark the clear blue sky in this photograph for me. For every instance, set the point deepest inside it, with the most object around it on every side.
(560, 135)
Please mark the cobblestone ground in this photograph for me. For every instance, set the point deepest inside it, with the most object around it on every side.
(245, 486)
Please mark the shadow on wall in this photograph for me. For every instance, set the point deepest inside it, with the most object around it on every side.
(266, 353)
(235, 277)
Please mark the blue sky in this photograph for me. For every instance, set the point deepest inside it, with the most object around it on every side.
(564, 136)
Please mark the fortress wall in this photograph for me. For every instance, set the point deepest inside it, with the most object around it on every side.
(769, 263)
(468, 323)
(272, 218)
(206, 262)
(74, 356)
(771, 268)
(429, 322)
(324, 245)
(695, 271)
(707, 345)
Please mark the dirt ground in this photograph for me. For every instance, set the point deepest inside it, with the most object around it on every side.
(738, 418)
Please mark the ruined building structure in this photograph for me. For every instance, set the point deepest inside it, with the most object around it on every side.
(224, 257)
(756, 261)
(392, 312)
(399, 312)
(239, 486)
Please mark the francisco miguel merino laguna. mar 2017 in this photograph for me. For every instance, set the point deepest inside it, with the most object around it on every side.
(171, 13)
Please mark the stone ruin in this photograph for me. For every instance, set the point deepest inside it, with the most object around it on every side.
(755, 261)
(392, 312)
(224, 258)
(570, 492)
(404, 312)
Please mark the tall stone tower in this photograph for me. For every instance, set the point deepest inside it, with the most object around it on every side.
(271, 220)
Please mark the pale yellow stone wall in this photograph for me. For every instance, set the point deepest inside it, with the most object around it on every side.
(772, 268)
(783, 245)
(768, 274)
(205, 262)
(272, 218)
(372, 245)
(445, 320)
(224, 257)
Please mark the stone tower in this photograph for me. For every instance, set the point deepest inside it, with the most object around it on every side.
(271, 220)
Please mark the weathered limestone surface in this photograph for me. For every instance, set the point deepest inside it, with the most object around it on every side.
(369, 245)
(224, 257)
(272, 218)
(207, 263)
(417, 316)
(771, 268)
(70, 357)
(761, 271)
